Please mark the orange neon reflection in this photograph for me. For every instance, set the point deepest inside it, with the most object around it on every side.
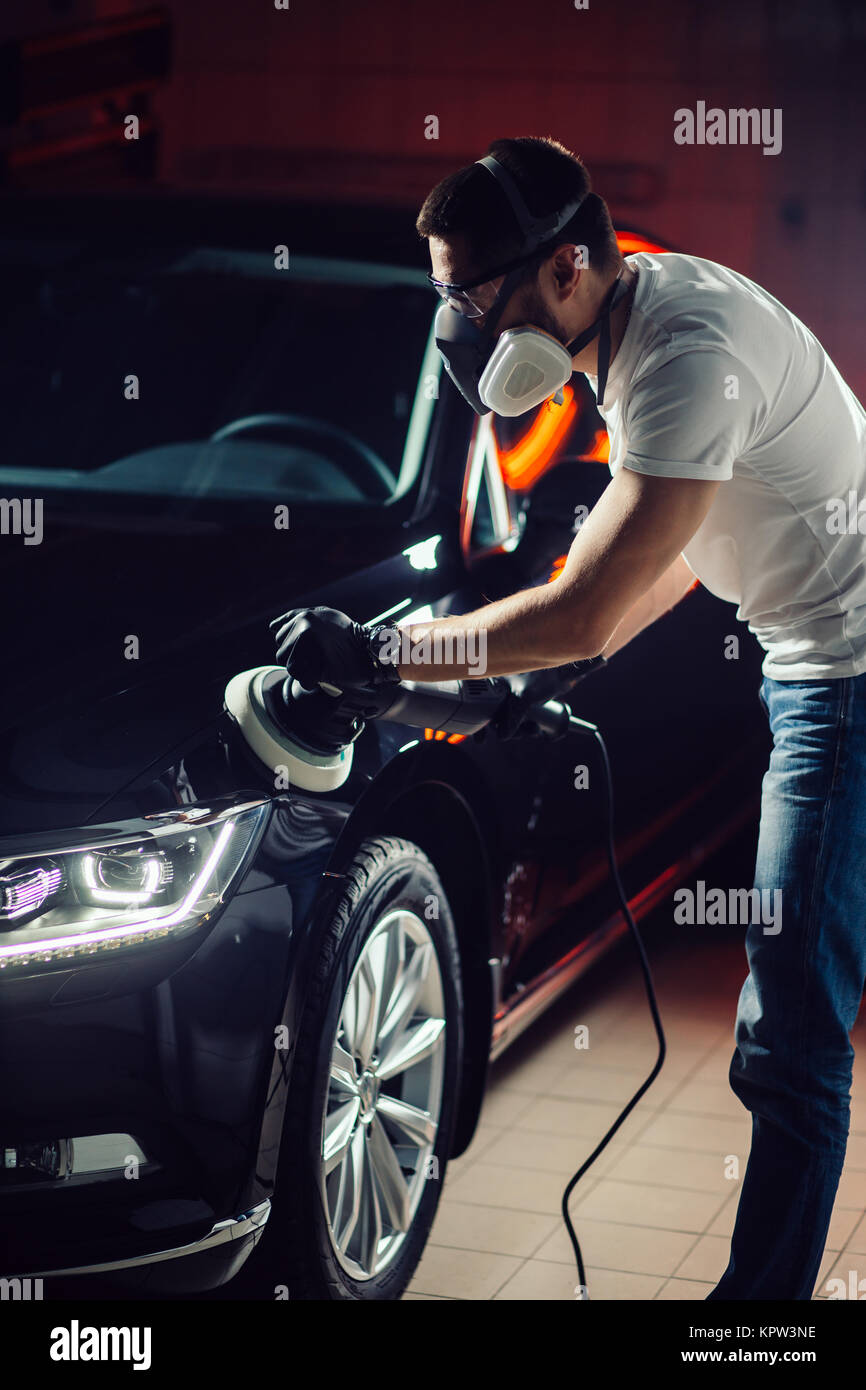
(558, 567)
(524, 463)
(630, 243)
(439, 735)
(599, 449)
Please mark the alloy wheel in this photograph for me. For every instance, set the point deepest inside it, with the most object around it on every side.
(384, 1094)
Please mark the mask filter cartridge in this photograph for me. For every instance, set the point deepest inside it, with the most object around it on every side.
(526, 368)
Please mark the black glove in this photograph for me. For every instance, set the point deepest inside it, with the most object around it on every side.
(322, 644)
(536, 687)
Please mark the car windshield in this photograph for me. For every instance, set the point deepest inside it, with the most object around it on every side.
(205, 372)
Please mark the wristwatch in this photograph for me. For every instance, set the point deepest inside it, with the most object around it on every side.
(386, 668)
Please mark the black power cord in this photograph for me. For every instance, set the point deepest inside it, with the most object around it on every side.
(582, 726)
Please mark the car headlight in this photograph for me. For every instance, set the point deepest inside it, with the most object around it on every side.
(97, 891)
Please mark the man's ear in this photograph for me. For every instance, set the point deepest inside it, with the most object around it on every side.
(566, 267)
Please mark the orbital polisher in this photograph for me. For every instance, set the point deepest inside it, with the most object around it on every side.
(311, 733)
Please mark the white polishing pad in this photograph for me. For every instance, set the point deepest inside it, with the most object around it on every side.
(314, 772)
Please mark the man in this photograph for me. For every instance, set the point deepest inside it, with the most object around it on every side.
(733, 437)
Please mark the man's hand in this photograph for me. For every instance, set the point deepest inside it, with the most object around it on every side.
(322, 644)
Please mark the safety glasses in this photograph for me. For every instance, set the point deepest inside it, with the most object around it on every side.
(473, 298)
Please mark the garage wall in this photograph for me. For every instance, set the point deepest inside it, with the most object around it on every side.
(337, 92)
(358, 80)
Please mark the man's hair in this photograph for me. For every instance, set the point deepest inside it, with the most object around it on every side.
(472, 203)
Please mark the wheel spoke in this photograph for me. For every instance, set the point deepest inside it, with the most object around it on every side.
(351, 1192)
(371, 977)
(343, 1077)
(394, 967)
(404, 996)
(371, 1215)
(339, 1203)
(412, 1047)
(338, 1133)
(388, 1178)
(418, 1126)
(349, 1016)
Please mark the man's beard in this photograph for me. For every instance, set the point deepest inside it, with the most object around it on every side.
(539, 316)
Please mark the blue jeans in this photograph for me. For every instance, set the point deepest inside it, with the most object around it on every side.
(792, 1061)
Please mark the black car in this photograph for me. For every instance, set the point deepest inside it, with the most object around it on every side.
(234, 1012)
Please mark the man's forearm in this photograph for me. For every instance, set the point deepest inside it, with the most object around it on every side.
(633, 536)
(527, 631)
(631, 540)
(667, 591)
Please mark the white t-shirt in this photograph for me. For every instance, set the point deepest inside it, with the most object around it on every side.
(715, 378)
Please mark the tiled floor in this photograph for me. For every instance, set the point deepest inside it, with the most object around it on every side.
(655, 1212)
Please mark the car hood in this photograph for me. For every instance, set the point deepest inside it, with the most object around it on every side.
(119, 639)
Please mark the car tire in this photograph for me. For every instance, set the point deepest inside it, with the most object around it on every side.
(324, 1240)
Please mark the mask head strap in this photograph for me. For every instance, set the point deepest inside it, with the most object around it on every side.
(534, 230)
(506, 290)
(600, 328)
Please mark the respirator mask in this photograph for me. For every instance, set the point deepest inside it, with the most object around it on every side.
(517, 370)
